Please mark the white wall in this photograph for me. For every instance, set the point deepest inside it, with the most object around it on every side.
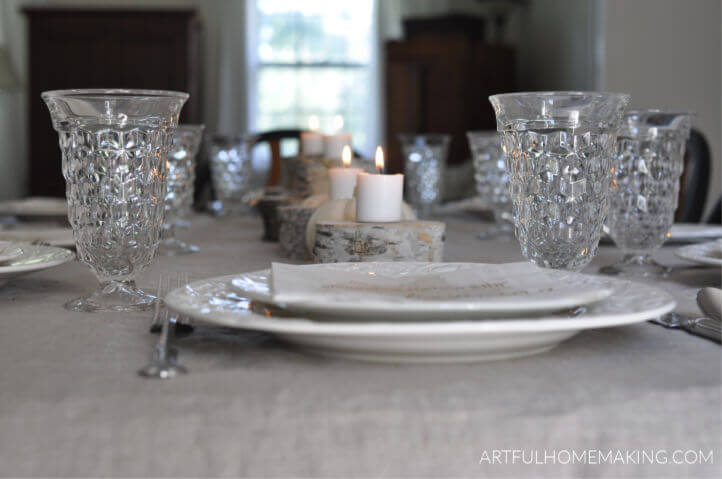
(667, 53)
(557, 45)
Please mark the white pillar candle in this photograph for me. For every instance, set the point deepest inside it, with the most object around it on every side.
(343, 180)
(335, 143)
(312, 143)
(379, 196)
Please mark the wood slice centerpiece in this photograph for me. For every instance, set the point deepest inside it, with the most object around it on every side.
(292, 233)
(348, 241)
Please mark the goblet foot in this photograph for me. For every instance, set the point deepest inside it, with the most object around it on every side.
(496, 231)
(182, 223)
(113, 296)
(637, 266)
(176, 247)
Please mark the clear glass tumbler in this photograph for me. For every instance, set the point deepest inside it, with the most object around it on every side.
(181, 174)
(424, 165)
(559, 148)
(113, 145)
(492, 180)
(232, 171)
(648, 164)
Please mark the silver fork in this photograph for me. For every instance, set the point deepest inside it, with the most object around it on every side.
(164, 357)
(182, 325)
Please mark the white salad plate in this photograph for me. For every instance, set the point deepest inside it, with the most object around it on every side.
(410, 291)
(702, 253)
(9, 251)
(52, 235)
(35, 206)
(217, 301)
(34, 258)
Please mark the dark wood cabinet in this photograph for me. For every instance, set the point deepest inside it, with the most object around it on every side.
(104, 48)
(440, 83)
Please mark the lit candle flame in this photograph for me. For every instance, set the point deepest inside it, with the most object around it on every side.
(314, 123)
(379, 158)
(338, 122)
(346, 156)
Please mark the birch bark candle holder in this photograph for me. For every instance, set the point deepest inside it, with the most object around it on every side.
(292, 232)
(350, 241)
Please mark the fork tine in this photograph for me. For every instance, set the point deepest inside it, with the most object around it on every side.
(183, 323)
(155, 326)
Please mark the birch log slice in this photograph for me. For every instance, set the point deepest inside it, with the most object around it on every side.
(292, 233)
(345, 241)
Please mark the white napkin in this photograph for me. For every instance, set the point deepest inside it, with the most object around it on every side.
(414, 282)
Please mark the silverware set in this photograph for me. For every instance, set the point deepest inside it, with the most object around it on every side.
(709, 301)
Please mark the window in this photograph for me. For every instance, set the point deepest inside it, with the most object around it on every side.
(313, 58)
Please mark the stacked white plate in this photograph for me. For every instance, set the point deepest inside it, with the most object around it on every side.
(31, 258)
(419, 312)
(704, 253)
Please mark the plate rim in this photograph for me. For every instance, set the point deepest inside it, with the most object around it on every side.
(25, 268)
(486, 326)
(684, 253)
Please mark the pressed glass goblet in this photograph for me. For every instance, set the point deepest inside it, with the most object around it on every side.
(492, 180)
(181, 167)
(559, 148)
(113, 145)
(232, 171)
(424, 165)
(648, 163)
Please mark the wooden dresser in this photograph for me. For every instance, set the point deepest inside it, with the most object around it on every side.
(438, 82)
(104, 48)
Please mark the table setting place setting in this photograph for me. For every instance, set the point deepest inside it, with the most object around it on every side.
(359, 268)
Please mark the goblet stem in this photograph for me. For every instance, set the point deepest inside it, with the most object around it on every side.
(172, 246)
(637, 265)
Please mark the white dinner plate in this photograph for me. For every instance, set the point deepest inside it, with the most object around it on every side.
(693, 232)
(687, 233)
(35, 206)
(703, 253)
(216, 301)
(8, 251)
(410, 291)
(26, 233)
(34, 258)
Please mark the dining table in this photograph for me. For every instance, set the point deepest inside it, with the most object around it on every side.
(72, 403)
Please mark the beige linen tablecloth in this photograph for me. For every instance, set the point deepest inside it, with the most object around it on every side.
(71, 403)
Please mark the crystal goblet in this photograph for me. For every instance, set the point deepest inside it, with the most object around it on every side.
(424, 165)
(232, 171)
(180, 166)
(648, 163)
(113, 145)
(492, 180)
(559, 148)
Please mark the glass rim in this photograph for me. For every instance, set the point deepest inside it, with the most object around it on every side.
(549, 93)
(119, 93)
